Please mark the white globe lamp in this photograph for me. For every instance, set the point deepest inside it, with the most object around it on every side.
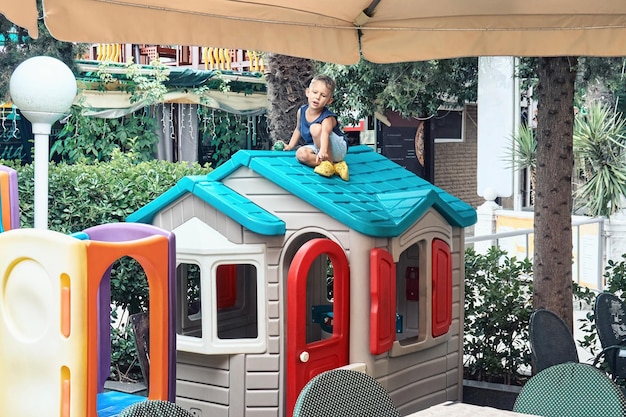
(43, 88)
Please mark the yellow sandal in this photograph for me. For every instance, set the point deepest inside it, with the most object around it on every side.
(341, 168)
(325, 168)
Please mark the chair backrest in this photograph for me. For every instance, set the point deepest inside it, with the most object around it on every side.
(610, 318)
(573, 390)
(154, 408)
(551, 342)
(345, 393)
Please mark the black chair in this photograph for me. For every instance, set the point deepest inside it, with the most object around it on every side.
(551, 341)
(610, 318)
(154, 408)
(572, 390)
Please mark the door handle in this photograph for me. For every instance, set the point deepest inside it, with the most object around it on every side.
(304, 356)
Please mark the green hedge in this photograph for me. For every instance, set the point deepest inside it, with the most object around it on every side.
(84, 195)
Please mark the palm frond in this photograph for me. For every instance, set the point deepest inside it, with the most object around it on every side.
(600, 160)
(522, 151)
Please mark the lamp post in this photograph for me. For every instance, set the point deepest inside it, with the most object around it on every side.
(43, 88)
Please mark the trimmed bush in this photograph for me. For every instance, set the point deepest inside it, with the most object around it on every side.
(84, 195)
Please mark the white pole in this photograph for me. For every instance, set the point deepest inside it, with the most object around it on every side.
(497, 107)
(43, 88)
(41, 132)
(517, 195)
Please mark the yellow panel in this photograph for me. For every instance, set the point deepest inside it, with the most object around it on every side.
(42, 338)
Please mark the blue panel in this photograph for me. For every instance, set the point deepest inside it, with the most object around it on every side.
(111, 403)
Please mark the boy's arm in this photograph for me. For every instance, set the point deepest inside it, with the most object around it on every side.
(293, 142)
(328, 124)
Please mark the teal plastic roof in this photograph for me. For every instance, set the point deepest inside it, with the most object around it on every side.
(381, 199)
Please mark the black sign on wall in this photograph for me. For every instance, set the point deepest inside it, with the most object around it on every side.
(407, 142)
(447, 126)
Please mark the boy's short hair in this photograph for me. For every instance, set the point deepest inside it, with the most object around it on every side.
(330, 83)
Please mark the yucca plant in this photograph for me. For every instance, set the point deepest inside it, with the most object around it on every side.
(600, 160)
(599, 154)
(523, 153)
(524, 144)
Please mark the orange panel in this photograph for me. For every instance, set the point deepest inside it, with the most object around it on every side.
(5, 209)
(152, 253)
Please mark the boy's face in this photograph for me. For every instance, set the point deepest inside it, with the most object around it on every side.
(318, 95)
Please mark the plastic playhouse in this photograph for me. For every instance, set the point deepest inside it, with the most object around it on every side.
(282, 274)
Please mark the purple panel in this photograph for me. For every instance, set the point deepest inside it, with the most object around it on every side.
(104, 329)
(124, 232)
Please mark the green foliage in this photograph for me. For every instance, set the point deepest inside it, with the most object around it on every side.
(599, 141)
(498, 305)
(18, 47)
(615, 277)
(413, 89)
(149, 86)
(600, 154)
(225, 133)
(88, 139)
(609, 70)
(84, 195)
(522, 151)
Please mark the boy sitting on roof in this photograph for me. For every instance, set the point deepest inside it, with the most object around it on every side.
(325, 144)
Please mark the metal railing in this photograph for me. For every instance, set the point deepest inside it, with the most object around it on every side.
(587, 251)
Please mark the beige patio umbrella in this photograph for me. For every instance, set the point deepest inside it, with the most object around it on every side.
(343, 30)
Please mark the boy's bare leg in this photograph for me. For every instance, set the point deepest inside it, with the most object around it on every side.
(306, 156)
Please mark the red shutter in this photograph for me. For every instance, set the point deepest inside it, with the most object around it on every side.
(383, 301)
(442, 288)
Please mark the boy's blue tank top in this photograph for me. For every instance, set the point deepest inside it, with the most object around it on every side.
(305, 126)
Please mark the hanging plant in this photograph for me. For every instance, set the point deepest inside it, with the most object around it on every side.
(222, 133)
(89, 139)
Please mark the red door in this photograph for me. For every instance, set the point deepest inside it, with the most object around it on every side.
(306, 360)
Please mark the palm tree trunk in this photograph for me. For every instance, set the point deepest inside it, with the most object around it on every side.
(552, 264)
(287, 77)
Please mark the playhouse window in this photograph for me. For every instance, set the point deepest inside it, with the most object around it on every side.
(410, 308)
(423, 298)
(219, 304)
(236, 301)
(188, 275)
